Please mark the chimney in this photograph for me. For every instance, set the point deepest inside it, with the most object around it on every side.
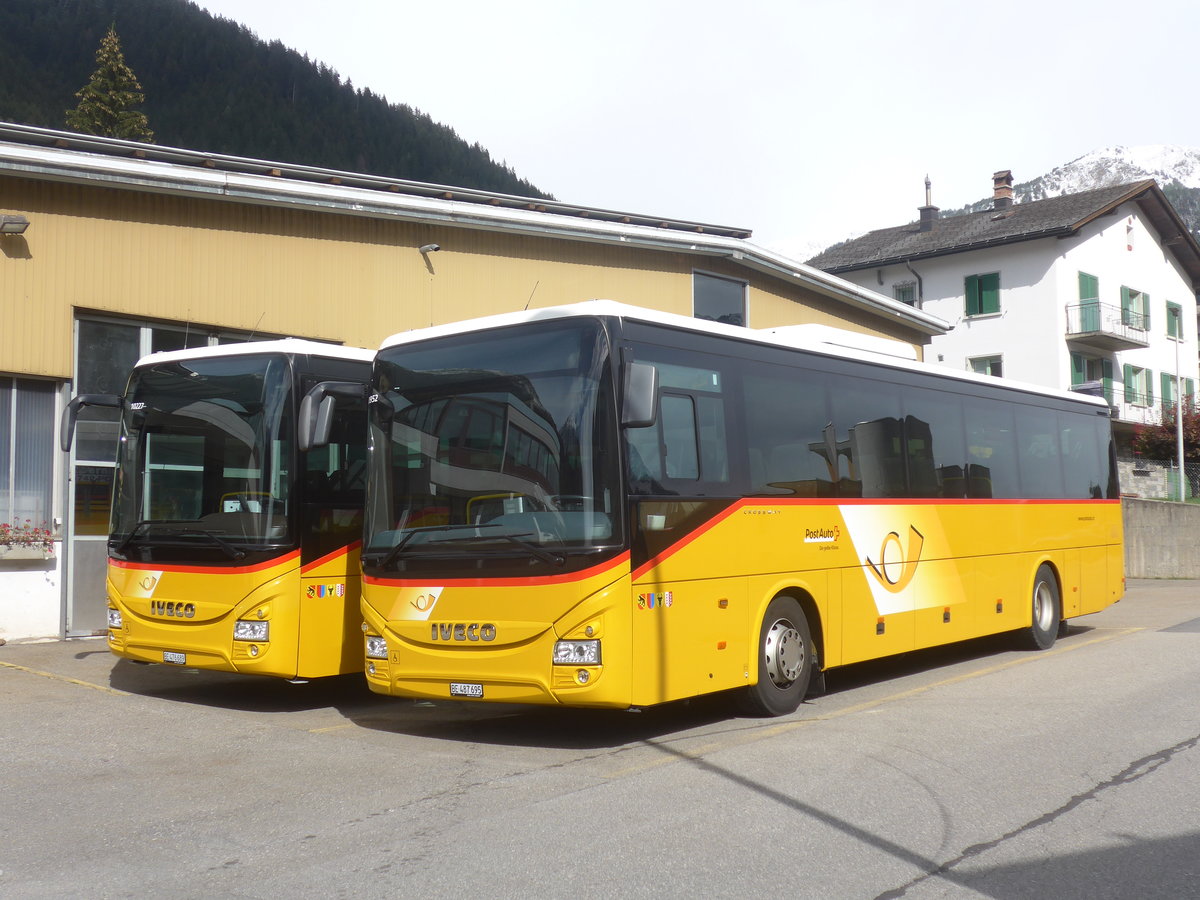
(1002, 195)
(929, 212)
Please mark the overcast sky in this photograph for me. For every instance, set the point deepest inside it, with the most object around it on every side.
(806, 121)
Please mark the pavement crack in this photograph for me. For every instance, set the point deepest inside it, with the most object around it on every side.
(1135, 770)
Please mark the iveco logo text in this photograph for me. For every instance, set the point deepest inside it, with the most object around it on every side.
(170, 608)
(461, 631)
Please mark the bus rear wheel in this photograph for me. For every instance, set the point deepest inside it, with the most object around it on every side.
(785, 661)
(1046, 609)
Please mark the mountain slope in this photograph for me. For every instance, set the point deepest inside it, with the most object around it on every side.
(1176, 169)
(213, 85)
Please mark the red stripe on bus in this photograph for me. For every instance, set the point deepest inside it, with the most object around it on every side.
(687, 539)
(208, 570)
(330, 557)
(602, 568)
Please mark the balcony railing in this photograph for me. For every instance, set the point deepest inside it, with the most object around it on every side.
(1106, 326)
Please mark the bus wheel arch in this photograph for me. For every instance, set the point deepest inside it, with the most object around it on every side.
(785, 657)
(1045, 603)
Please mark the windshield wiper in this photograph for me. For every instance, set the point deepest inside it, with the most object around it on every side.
(534, 550)
(231, 551)
(394, 554)
(133, 532)
(537, 552)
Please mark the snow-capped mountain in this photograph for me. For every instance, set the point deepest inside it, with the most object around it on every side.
(1176, 169)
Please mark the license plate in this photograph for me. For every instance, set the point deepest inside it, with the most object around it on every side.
(465, 689)
(170, 656)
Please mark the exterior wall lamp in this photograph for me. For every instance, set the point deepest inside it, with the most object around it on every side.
(13, 224)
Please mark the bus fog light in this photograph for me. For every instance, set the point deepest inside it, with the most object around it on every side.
(114, 618)
(577, 653)
(582, 676)
(376, 647)
(371, 668)
(247, 630)
(254, 649)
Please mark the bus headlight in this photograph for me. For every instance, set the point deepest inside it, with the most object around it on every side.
(248, 630)
(577, 653)
(376, 647)
(114, 619)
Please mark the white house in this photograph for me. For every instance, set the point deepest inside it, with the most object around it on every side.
(1094, 286)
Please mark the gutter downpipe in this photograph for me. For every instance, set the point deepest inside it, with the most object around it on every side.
(920, 285)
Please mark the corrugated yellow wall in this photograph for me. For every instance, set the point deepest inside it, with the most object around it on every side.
(319, 275)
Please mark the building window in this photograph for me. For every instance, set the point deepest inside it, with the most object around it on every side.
(1135, 309)
(983, 294)
(1174, 321)
(1168, 383)
(1089, 287)
(718, 299)
(988, 365)
(27, 423)
(905, 292)
(107, 349)
(1139, 386)
(1094, 369)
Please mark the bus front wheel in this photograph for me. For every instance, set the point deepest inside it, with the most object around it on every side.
(1046, 609)
(785, 661)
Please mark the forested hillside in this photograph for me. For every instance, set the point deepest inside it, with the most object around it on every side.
(212, 85)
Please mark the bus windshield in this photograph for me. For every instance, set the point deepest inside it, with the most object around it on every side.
(493, 452)
(206, 455)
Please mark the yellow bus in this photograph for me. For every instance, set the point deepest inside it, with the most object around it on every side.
(230, 548)
(599, 505)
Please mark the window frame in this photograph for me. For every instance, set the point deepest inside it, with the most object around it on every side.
(991, 362)
(1175, 327)
(700, 277)
(981, 295)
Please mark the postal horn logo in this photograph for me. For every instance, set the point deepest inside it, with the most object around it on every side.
(896, 567)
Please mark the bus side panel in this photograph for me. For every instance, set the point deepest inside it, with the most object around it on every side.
(192, 611)
(330, 617)
(689, 638)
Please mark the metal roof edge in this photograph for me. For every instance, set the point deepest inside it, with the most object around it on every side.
(166, 174)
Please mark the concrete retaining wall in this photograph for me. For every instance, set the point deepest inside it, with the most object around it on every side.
(1162, 539)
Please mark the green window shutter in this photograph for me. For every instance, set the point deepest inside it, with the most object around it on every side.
(971, 291)
(1106, 369)
(1126, 311)
(1167, 379)
(1149, 387)
(1129, 392)
(1146, 311)
(1077, 369)
(1189, 389)
(1089, 286)
(989, 293)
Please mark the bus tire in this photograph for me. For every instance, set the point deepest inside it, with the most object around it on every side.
(1046, 609)
(785, 657)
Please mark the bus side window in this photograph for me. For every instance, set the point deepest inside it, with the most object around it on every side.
(991, 450)
(1038, 452)
(681, 455)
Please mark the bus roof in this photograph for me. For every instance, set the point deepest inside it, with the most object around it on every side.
(823, 340)
(290, 346)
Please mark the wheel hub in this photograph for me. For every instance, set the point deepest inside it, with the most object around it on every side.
(785, 652)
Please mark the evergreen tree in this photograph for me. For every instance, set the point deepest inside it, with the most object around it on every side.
(107, 103)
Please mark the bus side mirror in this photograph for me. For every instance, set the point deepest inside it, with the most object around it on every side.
(640, 405)
(317, 409)
(70, 415)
